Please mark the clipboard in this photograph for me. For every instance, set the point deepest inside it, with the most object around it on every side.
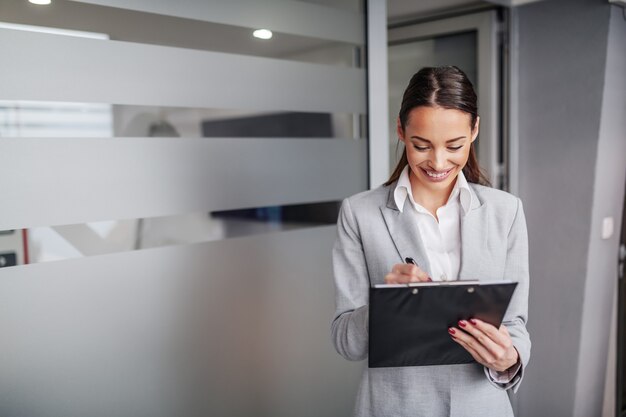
(408, 323)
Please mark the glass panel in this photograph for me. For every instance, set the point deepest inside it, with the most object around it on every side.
(116, 73)
(232, 328)
(43, 244)
(405, 59)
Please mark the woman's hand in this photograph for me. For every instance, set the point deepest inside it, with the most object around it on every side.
(489, 346)
(405, 273)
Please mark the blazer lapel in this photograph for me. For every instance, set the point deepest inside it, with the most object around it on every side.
(404, 231)
(474, 232)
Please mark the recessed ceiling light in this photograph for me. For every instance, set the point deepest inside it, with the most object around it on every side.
(42, 2)
(262, 34)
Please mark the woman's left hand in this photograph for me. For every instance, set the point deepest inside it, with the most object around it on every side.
(489, 346)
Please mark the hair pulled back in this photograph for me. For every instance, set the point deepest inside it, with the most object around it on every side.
(446, 87)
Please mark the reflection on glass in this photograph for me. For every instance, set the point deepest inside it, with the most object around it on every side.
(140, 121)
(54, 243)
(53, 119)
(12, 248)
(38, 119)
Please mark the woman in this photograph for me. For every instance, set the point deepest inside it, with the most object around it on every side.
(436, 209)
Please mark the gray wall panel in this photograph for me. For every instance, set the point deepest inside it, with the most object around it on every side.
(562, 56)
(232, 328)
(610, 178)
(68, 181)
(101, 71)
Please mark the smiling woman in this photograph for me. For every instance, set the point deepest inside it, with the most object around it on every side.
(436, 162)
(444, 88)
(435, 209)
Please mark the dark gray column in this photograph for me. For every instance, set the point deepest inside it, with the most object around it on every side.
(572, 166)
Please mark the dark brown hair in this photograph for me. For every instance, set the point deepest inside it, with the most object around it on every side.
(446, 87)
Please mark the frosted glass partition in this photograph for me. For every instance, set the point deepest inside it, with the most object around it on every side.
(231, 328)
(159, 75)
(155, 304)
(67, 181)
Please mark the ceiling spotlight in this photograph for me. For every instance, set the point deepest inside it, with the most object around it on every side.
(262, 34)
(42, 2)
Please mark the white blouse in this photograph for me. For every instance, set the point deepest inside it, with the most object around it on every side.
(442, 239)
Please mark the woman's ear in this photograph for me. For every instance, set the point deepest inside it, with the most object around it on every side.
(475, 129)
(399, 130)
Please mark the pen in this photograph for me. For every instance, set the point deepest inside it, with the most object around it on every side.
(412, 261)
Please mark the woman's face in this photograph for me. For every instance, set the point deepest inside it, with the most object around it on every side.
(437, 144)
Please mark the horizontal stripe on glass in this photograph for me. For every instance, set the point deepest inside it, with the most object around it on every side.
(113, 72)
(69, 181)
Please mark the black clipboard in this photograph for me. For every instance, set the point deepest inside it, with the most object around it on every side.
(408, 324)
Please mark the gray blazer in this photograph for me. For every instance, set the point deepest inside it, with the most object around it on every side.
(373, 235)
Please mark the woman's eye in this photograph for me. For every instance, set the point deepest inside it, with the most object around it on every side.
(455, 148)
(421, 148)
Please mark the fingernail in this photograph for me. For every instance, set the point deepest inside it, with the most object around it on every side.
(472, 321)
(430, 279)
(462, 323)
(451, 330)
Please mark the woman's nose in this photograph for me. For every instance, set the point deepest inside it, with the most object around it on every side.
(438, 161)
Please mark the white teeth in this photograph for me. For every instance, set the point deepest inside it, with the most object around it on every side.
(437, 175)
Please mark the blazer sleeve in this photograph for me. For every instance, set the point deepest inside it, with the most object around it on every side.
(350, 324)
(516, 269)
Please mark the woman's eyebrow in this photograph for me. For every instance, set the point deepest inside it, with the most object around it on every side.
(448, 141)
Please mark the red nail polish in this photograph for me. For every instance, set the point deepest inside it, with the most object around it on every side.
(472, 321)
(451, 331)
(462, 323)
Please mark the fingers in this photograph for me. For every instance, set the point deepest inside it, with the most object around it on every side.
(405, 273)
(471, 351)
(489, 346)
(499, 336)
(478, 345)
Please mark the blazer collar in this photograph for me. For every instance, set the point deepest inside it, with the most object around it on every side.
(391, 203)
(406, 236)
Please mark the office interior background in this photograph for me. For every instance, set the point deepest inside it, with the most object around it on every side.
(170, 186)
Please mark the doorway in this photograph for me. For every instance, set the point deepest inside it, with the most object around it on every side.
(471, 42)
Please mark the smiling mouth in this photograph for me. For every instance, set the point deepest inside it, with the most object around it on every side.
(437, 175)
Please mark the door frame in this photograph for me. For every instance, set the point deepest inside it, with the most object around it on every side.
(486, 26)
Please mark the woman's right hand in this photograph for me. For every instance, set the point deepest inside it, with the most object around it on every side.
(405, 273)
